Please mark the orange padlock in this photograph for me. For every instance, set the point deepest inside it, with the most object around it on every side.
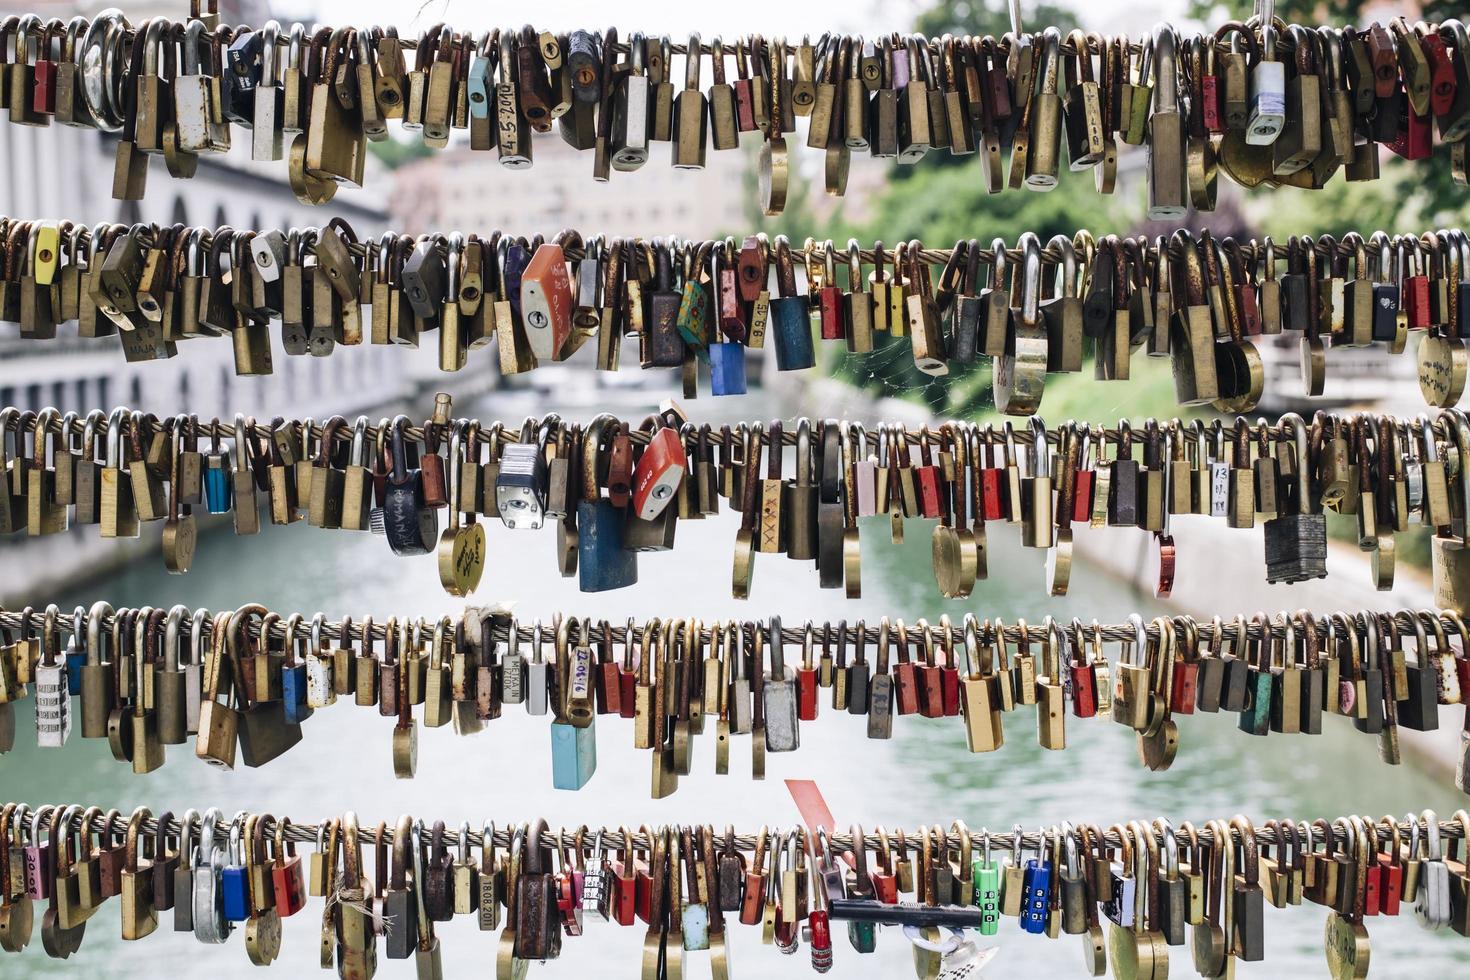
(546, 302)
(659, 470)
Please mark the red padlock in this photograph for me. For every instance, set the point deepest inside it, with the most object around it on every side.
(566, 904)
(1442, 84)
(885, 880)
(609, 683)
(905, 674)
(1247, 300)
(624, 898)
(643, 885)
(1083, 677)
(1212, 95)
(949, 672)
(1414, 290)
(992, 482)
(628, 670)
(931, 678)
(727, 295)
(288, 880)
(1414, 140)
(1373, 889)
(830, 300)
(806, 681)
(111, 856)
(620, 467)
(819, 935)
(1391, 872)
(546, 302)
(1185, 681)
(752, 267)
(43, 97)
(659, 470)
(929, 479)
(753, 901)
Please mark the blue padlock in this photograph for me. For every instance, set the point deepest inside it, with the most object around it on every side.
(218, 487)
(727, 368)
(1035, 887)
(791, 318)
(573, 754)
(76, 652)
(603, 563)
(293, 676)
(234, 880)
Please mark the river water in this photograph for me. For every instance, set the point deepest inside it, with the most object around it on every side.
(924, 774)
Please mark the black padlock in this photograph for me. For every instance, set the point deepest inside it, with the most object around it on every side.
(1097, 305)
(537, 931)
(1419, 704)
(400, 904)
(423, 279)
(438, 883)
(1386, 294)
(1123, 495)
(964, 343)
(1295, 287)
(243, 66)
(663, 346)
(1296, 540)
(412, 526)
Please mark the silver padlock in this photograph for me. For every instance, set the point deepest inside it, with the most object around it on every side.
(210, 924)
(1268, 90)
(595, 893)
(53, 695)
(193, 672)
(320, 689)
(782, 734)
(538, 677)
(513, 669)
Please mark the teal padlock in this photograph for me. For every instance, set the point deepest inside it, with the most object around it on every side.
(863, 936)
(1255, 719)
(573, 754)
(986, 874)
(791, 316)
(693, 321)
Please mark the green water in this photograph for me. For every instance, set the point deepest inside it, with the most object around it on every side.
(923, 775)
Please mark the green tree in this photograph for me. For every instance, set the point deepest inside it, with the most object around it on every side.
(394, 152)
(943, 199)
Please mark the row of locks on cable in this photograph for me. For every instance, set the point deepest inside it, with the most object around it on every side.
(1265, 102)
(1129, 893)
(1201, 302)
(245, 682)
(616, 489)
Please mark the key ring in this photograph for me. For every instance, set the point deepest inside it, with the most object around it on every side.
(945, 948)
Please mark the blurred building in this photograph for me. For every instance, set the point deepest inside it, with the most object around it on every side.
(60, 172)
(469, 190)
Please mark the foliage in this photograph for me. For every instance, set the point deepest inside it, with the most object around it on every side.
(942, 199)
(1408, 197)
(941, 205)
(394, 153)
(1337, 11)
